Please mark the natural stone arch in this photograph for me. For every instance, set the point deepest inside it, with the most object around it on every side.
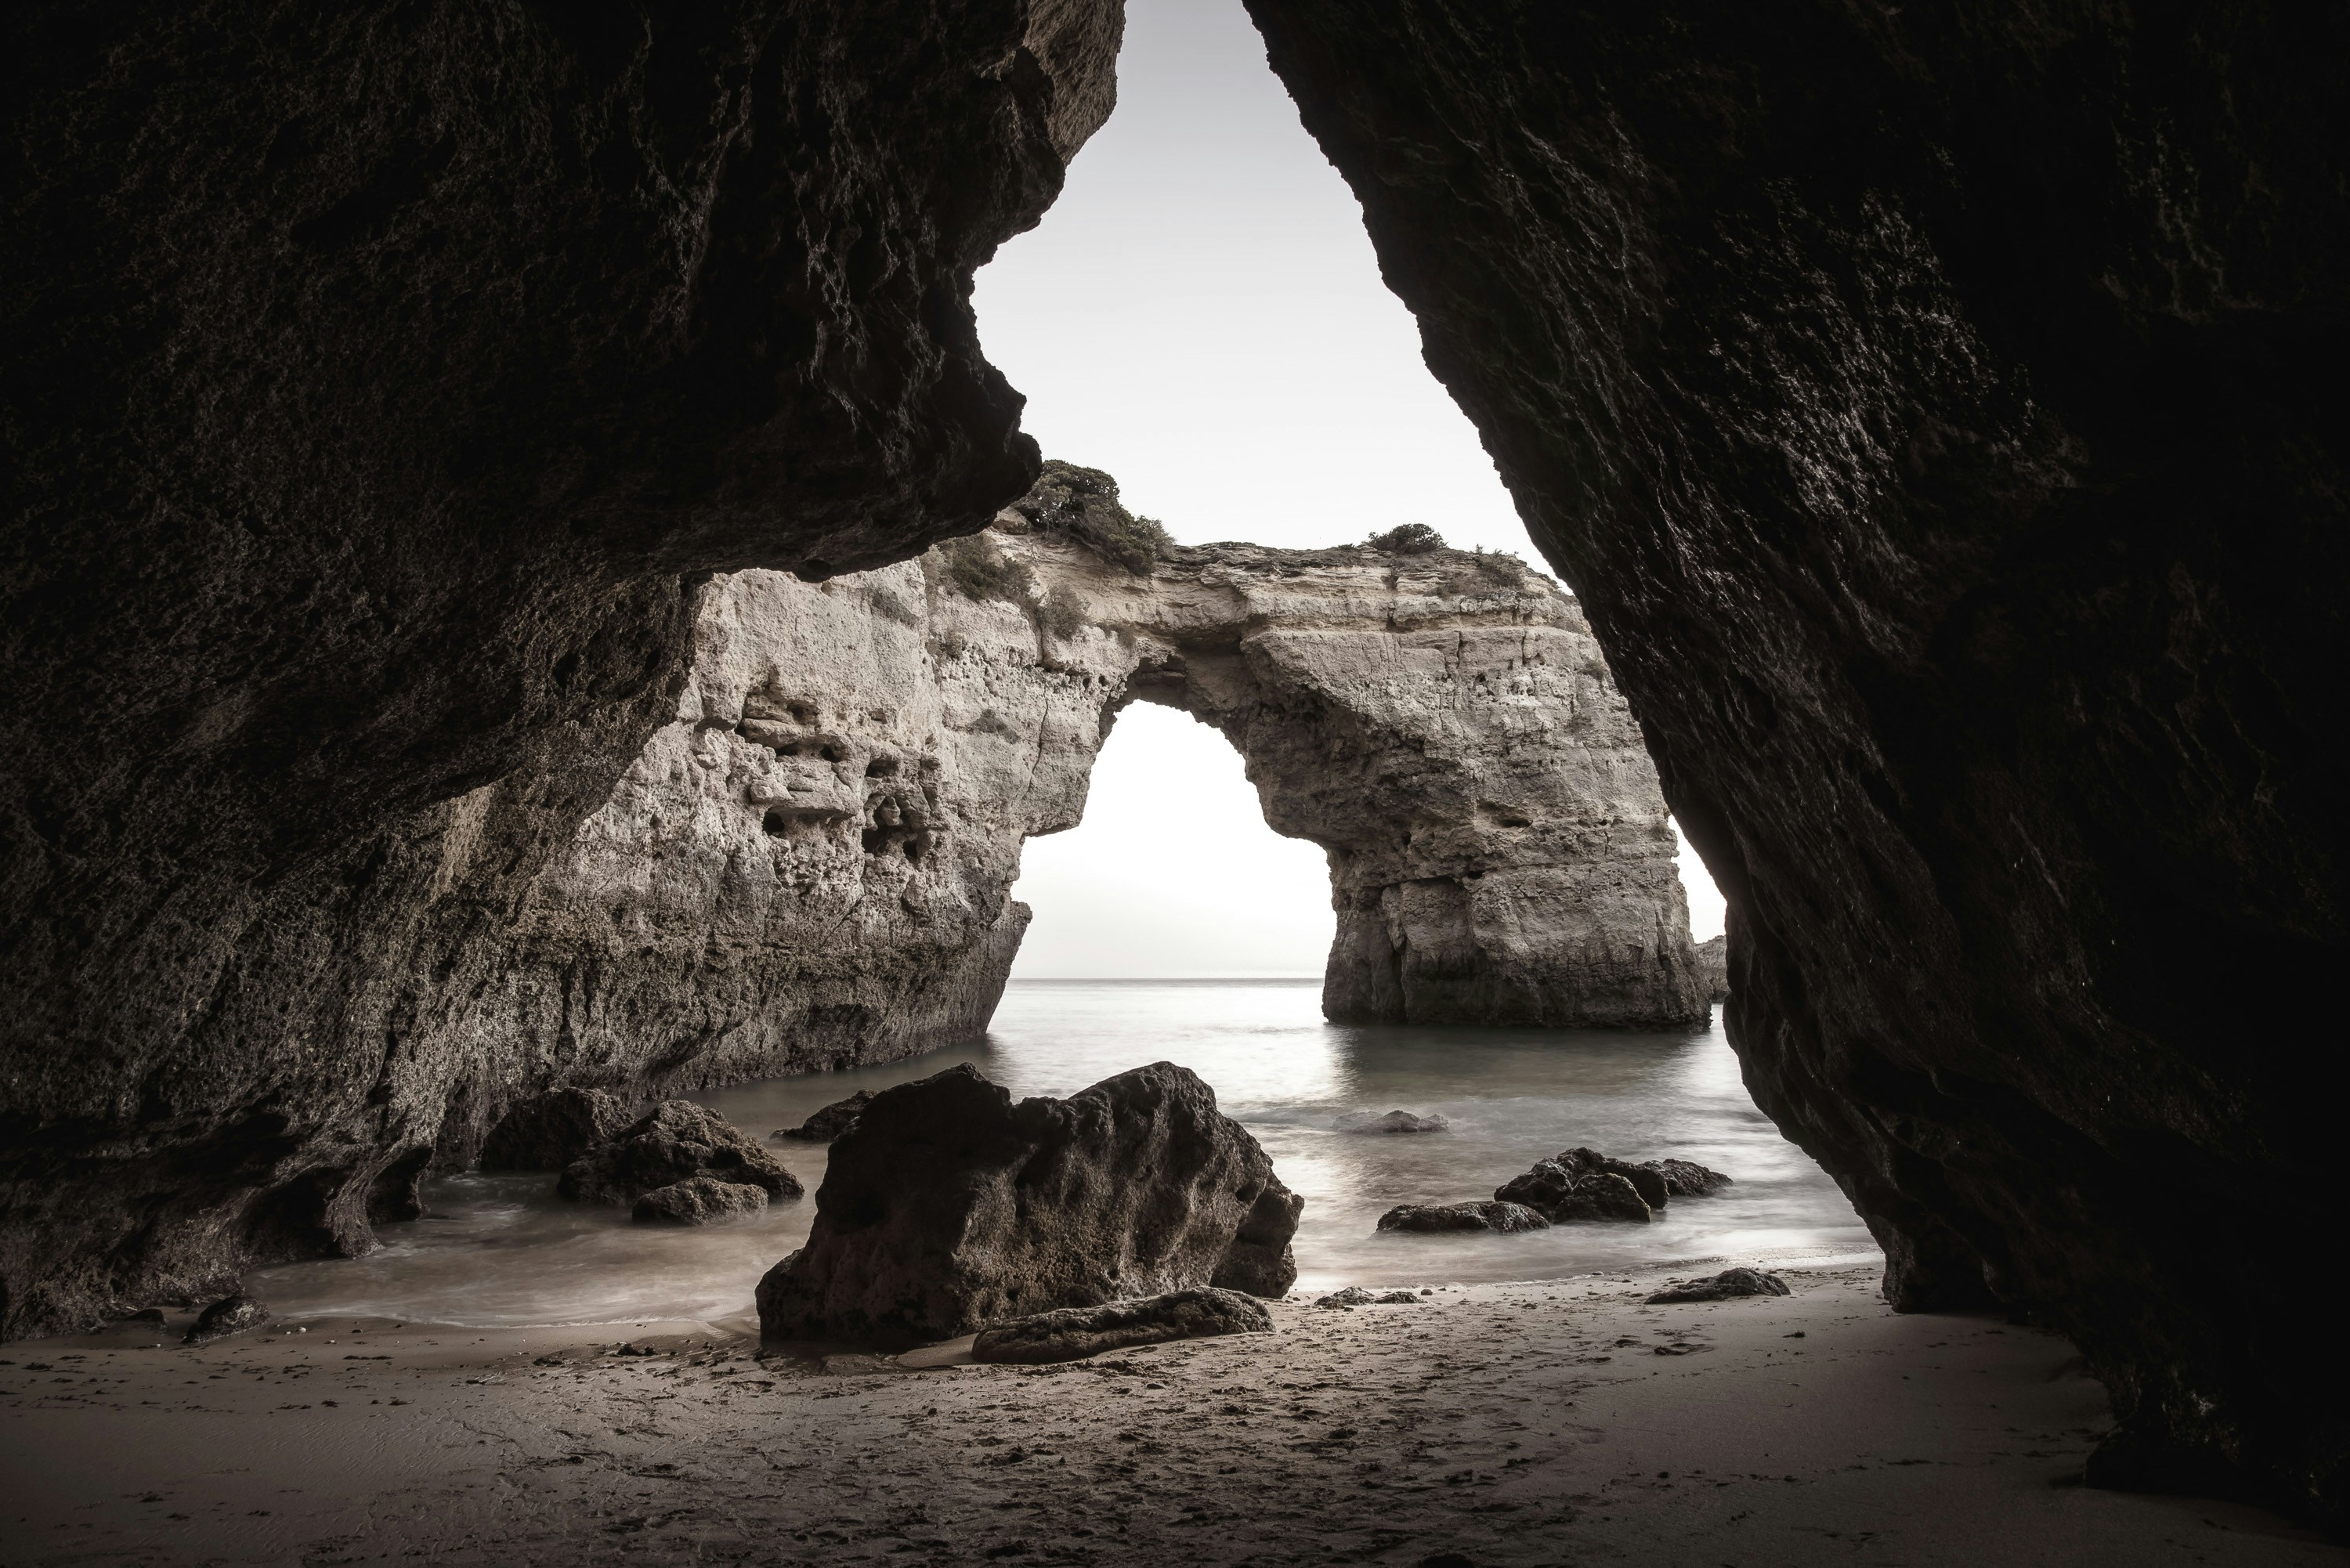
(811, 867)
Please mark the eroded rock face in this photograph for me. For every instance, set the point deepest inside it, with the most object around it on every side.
(1713, 962)
(378, 385)
(1938, 410)
(548, 1132)
(947, 1208)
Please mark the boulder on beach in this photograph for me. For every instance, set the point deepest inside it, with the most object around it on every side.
(1494, 1215)
(548, 1131)
(1724, 1285)
(231, 1314)
(1393, 1122)
(678, 1141)
(1356, 1295)
(827, 1124)
(700, 1200)
(1069, 1334)
(947, 1208)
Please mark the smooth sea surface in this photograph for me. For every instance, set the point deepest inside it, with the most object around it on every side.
(499, 1251)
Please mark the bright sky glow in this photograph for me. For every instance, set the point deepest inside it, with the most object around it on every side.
(1201, 315)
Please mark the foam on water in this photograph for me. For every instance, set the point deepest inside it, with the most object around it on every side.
(497, 1250)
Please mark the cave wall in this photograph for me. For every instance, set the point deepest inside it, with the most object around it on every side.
(380, 383)
(811, 866)
(1937, 411)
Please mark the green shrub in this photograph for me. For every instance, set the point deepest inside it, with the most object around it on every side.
(1408, 539)
(980, 571)
(1064, 614)
(1082, 503)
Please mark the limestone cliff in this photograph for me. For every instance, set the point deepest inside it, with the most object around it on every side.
(811, 866)
(376, 386)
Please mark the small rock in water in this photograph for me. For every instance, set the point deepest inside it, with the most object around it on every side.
(700, 1200)
(827, 1124)
(679, 1140)
(1075, 1332)
(1562, 1192)
(1686, 1178)
(1723, 1286)
(233, 1314)
(1393, 1122)
(1494, 1215)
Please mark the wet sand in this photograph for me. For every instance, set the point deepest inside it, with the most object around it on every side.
(1552, 1423)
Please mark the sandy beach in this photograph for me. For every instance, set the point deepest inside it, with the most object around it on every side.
(1561, 1422)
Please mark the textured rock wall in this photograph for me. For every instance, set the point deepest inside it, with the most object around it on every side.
(1938, 409)
(378, 382)
(811, 866)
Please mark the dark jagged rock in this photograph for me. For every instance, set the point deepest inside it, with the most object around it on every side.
(378, 386)
(233, 1314)
(1686, 1178)
(1722, 1286)
(548, 1132)
(1069, 1334)
(1503, 1218)
(1938, 410)
(1581, 1184)
(1352, 1296)
(700, 1200)
(1713, 965)
(1569, 1186)
(678, 1141)
(1393, 1122)
(830, 1122)
(947, 1208)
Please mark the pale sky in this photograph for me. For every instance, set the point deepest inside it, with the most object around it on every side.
(1200, 315)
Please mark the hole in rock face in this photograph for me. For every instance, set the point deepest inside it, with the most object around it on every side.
(774, 824)
(829, 753)
(877, 840)
(803, 714)
(917, 846)
(881, 768)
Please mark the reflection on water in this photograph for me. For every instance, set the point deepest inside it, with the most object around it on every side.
(499, 1249)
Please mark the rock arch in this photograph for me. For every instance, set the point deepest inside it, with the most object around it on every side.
(811, 866)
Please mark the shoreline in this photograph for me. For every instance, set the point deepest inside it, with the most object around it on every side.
(1543, 1422)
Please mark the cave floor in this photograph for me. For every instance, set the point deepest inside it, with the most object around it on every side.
(1554, 1423)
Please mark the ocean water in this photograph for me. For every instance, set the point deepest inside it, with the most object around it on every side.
(496, 1251)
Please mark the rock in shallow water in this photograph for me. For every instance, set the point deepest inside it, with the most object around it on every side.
(700, 1200)
(1723, 1286)
(1071, 1332)
(1393, 1122)
(1494, 1215)
(678, 1141)
(1583, 1184)
(233, 1314)
(947, 1208)
(828, 1123)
